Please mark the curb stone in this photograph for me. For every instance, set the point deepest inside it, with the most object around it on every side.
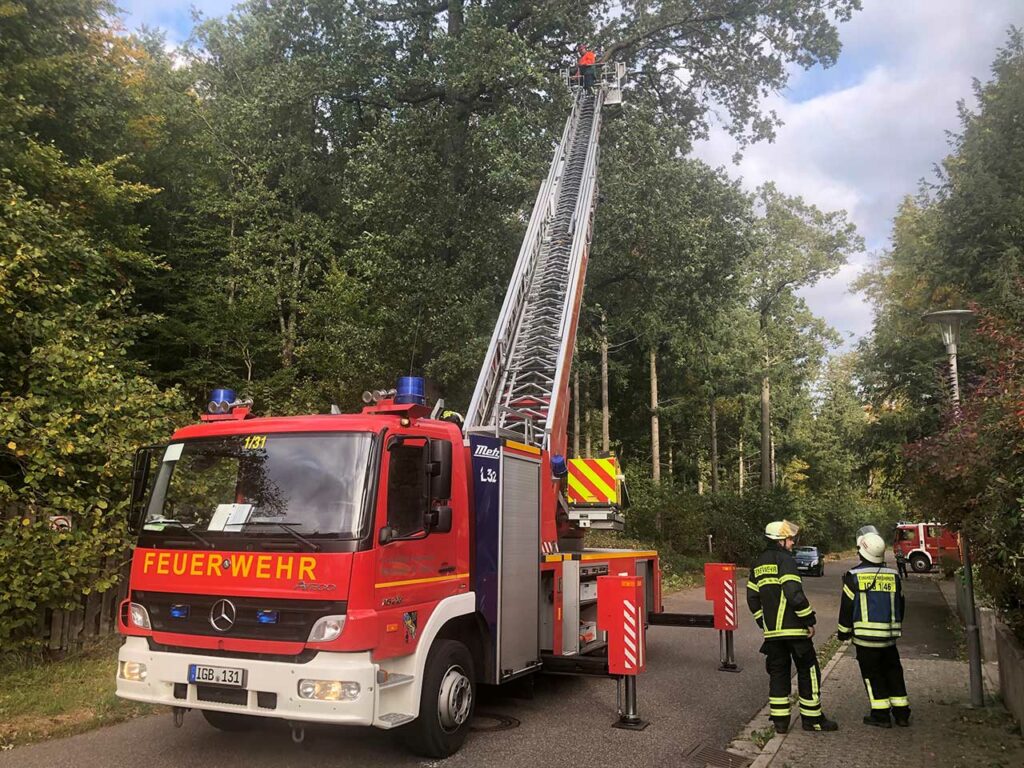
(742, 745)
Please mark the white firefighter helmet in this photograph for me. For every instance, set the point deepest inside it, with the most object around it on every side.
(780, 530)
(871, 547)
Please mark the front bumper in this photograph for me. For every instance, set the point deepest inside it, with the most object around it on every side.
(164, 670)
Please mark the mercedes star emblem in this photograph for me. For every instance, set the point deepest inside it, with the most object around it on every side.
(222, 615)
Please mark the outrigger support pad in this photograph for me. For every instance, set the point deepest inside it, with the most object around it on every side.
(727, 647)
(629, 716)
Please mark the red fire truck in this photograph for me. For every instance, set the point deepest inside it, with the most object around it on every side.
(926, 544)
(373, 568)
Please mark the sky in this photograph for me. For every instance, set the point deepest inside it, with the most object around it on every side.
(857, 136)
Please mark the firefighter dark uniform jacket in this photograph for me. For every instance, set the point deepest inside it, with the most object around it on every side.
(871, 611)
(776, 597)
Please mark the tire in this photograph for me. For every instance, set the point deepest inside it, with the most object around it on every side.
(230, 721)
(446, 703)
(920, 563)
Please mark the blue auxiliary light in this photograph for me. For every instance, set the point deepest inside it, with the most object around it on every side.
(558, 466)
(267, 617)
(220, 400)
(179, 611)
(410, 390)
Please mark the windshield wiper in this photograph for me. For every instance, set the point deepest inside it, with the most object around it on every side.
(286, 527)
(177, 523)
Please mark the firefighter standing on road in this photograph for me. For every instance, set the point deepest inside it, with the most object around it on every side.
(871, 612)
(776, 598)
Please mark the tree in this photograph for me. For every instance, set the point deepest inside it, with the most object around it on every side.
(797, 245)
(73, 404)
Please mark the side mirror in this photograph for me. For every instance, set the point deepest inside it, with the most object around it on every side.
(439, 469)
(438, 520)
(387, 533)
(141, 471)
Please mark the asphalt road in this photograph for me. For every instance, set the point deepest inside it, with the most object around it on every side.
(566, 722)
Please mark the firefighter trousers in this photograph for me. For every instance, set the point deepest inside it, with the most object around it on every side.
(883, 680)
(780, 655)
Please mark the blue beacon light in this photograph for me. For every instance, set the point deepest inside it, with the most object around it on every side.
(220, 400)
(410, 390)
(267, 617)
(179, 611)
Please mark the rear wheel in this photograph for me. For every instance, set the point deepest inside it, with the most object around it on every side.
(920, 563)
(229, 721)
(446, 703)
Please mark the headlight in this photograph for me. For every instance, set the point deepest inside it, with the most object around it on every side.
(326, 629)
(138, 616)
(132, 670)
(328, 690)
(814, 561)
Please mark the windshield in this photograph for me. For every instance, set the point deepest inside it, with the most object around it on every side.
(810, 550)
(310, 483)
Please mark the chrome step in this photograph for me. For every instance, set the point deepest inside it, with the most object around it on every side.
(393, 680)
(395, 719)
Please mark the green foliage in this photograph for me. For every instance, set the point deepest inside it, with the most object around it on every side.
(958, 243)
(73, 404)
(736, 523)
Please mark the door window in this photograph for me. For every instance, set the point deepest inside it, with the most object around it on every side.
(933, 531)
(907, 534)
(407, 488)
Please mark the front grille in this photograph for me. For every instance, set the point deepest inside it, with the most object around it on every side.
(295, 617)
(303, 657)
(222, 695)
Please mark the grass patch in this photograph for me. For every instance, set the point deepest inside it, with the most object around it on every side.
(828, 649)
(762, 736)
(44, 699)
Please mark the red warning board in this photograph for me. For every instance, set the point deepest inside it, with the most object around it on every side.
(720, 588)
(620, 607)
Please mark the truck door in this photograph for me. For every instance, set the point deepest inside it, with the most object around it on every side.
(414, 570)
(933, 542)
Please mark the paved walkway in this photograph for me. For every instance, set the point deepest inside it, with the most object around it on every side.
(944, 732)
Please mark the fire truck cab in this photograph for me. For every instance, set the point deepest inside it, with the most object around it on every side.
(926, 544)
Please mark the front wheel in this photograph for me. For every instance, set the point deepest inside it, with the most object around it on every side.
(446, 702)
(920, 563)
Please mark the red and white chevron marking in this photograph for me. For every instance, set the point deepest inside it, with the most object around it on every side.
(629, 626)
(729, 602)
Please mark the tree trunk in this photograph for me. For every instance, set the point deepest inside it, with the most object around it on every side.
(587, 431)
(766, 433)
(772, 459)
(576, 415)
(668, 454)
(742, 466)
(606, 442)
(655, 427)
(714, 446)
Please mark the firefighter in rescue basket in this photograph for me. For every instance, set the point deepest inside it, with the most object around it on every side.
(871, 612)
(776, 598)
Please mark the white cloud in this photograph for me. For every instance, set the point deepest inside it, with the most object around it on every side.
(865, 140)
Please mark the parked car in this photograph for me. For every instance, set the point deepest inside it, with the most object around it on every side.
(810, 561)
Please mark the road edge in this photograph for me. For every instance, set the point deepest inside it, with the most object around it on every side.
(742, 745)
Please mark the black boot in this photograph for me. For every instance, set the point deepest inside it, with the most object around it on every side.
(821, 724)
(878, 722)
(781, 724)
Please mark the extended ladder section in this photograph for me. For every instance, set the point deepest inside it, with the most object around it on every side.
(525, 372)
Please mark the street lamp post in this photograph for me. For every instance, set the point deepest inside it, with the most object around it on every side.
(949, 322)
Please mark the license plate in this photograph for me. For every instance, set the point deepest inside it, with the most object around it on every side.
(227, 676)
